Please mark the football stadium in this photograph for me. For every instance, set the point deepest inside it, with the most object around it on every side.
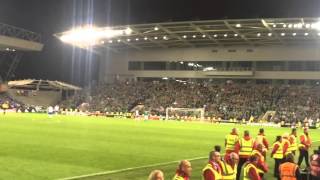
(212, 97)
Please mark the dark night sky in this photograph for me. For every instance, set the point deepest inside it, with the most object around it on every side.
(47, 17)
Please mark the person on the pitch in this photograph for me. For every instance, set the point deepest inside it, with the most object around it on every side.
(288, 170)
(277, 155)
(229, 166)
(293, 141)
(156, 175)
(286, 144)
(184, 171)
(261, 139)
(315, 165)
(250, 170)
(231, 140)
(261, 165)
(305, 144)
(244, 147)
(212, 171)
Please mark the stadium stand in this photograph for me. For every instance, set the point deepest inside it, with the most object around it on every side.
(227, 100)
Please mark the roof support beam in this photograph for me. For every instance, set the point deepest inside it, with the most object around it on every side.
(266, 25)
(237, 32)
(174, 35)
(134, 30)
(204, 33)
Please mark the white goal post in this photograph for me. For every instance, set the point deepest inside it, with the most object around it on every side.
(184, 110)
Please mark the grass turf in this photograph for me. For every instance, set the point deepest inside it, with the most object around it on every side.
(34, 146)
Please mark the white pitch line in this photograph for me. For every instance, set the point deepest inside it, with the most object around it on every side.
(132, 168)
(127, 169)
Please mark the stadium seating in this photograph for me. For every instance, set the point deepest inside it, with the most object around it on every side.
(229, 100)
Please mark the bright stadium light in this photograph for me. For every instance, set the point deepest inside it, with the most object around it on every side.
(308, 26)
(216, 35)
(204, 36)
(284, 25)
(110, 41)
(299, 26)
(184, 36)
(238, 25)
(194, 36)
(165, 78)
(225, 35)
(181, 62)
(128, 40)
(137, 39)
(90, 35)
(306, 34)
(145, 38)
(283, 34)
(294, 34)
(156, 38)
(290, 26)
(274, 25)
(235, 35)
(156, 28)
(318, 34)
(165, 37)
(119, 40)
(102, 42)
(128, 31)
(259, 34)
(269, 34)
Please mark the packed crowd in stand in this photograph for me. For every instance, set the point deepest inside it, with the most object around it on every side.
(247, 155)
(228, 100)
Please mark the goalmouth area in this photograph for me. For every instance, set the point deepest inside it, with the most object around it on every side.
(35, 146)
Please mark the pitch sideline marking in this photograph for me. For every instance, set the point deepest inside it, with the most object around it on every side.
(127, 169)
(132, 168)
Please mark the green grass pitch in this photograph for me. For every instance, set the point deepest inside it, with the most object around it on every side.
(34, 146)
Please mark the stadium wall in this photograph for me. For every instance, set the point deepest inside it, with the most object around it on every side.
(116, 66)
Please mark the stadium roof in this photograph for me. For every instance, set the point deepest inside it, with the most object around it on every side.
(42, 84)
(275, 31)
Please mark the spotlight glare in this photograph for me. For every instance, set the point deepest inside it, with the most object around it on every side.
(306, 34)
(225, 35)
(128, 31)
(274, 25)
(184, 36)
(156, 28)
(284, 26)
(259, 34)
(128, 40)
(156, 38)
(203, 36)
(216, 35)
(283, 34)
(235, 35)
(137, 39)
(145, 38)
(294, 34)
(269, 34)
(194, 36)
(238, 25)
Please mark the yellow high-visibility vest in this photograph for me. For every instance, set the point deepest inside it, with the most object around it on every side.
(279, 153)
(245, 147)
(217, 175)
(231, 141)
(284, 141)
(177, 177)
(256, 152)
(228, 173)
(293, 146)
(246, 171)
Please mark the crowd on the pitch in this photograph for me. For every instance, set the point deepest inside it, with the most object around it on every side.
(247, 156)
(227, 100)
